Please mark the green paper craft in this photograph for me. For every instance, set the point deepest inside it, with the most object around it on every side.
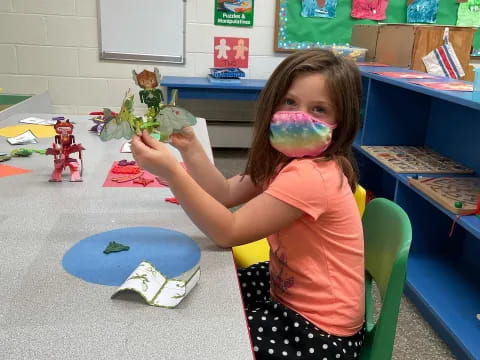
(157, 289)
(122, 125)
(169, 119)
(115, 247)
(23, 152)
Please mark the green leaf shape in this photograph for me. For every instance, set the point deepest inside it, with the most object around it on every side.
(115, 247)
(173, 119)
(116, 130)
(122, 125)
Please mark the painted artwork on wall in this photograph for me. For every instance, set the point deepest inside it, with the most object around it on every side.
(230, 52)
(369, 9)
(422, 11)
(234, 12)
(469, 13)
(319, 8)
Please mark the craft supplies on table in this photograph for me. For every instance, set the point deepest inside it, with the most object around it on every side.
(23, 139)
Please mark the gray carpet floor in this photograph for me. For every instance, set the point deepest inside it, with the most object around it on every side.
(415, 339)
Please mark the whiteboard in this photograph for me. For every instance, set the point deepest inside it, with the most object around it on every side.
(146, 30)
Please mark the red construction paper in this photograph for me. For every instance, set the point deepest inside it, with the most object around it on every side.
(110, 183)
(230, 52)
(405, 75)
(172, 200)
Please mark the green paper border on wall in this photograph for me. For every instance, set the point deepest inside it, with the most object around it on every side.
(294, 32)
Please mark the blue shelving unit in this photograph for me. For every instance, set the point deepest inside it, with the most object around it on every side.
(442, 275)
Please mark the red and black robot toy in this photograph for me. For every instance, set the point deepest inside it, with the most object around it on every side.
(61, 149)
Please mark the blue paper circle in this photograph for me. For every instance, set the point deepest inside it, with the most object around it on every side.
(171, 252)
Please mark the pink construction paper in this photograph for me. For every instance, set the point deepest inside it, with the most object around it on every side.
(406, 75)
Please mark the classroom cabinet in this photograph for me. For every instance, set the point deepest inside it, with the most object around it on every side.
(443, 267)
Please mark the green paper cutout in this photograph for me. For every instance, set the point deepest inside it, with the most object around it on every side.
(115, 247)
(167, 120)
(24, 152)
(122, 125)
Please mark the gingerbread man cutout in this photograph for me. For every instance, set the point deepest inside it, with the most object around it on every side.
(241, 49)
(222, 49)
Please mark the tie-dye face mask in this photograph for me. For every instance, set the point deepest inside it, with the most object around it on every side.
(298, 134)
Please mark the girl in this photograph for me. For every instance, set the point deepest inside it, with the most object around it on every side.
(297, 189)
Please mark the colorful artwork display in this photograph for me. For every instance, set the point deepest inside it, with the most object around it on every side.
(234, 12)
(422, 11)
(369, 9)
(230, 52)
(319, 8)
(295, 32)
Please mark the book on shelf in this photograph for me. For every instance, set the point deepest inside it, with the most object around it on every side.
(215, 80)
(224, 73)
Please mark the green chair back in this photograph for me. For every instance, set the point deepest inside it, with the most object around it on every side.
(388, 234)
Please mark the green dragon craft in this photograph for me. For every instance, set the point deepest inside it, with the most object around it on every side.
(168, 119)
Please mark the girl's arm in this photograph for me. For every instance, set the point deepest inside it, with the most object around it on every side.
(231, 192)
(259, 217)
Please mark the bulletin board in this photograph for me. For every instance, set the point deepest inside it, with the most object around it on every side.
(149, 30)
(293, 31)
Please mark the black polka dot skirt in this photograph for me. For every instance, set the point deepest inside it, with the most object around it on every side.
(278, 332)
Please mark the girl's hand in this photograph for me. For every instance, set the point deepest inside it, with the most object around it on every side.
(182, 140)
(153, 156)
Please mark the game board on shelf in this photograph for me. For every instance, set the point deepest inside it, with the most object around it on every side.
(415, 159)
(460, 195)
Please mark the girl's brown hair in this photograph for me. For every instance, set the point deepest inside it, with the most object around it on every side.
(343, 81)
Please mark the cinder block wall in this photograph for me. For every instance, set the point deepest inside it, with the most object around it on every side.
(53, 45)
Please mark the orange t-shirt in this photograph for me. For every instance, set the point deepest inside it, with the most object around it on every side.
(316, 263)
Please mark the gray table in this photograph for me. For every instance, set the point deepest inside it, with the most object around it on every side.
(46, 313)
